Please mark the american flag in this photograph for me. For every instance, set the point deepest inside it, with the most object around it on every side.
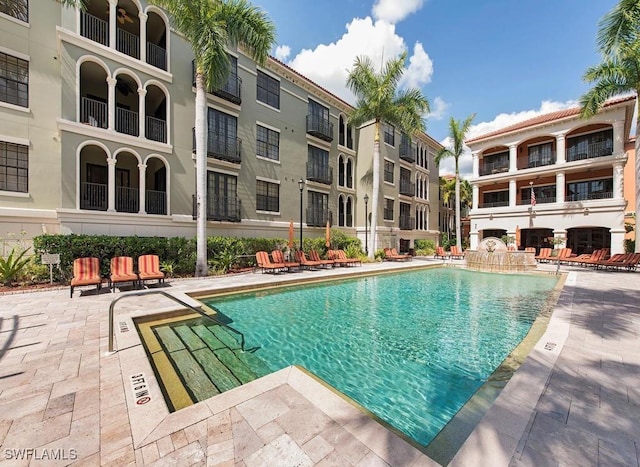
(533, 197)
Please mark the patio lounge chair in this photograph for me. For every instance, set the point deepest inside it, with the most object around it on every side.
(328, 263)
(264, 262)
(149, 269)
(583, 257)
(602, 255)
(86, 271)
(614, 262)
(544, 255)
(306, 263)
(455, 253)
(440, 253)
(278, 257)
(122, 271)
(392, 255)
(340, 257)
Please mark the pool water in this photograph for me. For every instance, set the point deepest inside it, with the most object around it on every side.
(410, 347)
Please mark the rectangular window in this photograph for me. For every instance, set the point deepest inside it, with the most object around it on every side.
(544, 194)
(390, 134)
(19, 9)
(267, 143)
(388, 171)
(588, 146)
(14, 167)
(222, 136)
(495, 199)
(591, 189)
(267, 196)
(14, 80)
(540, 155)
(388, 209)
(318, 168)
(268, 90)
(318, 212)
(222, 199)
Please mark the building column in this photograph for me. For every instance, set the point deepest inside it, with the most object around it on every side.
(474, 197)
(512, 193)
(113, 20)
(111, 104)
(618, 180)
(143, 36)
(142, 170)
(473, 240)
(618, 137)
(142, 112)
(561, 150)
(617, 241)
(513, 157)
(111, 184)
(476, 164)
(560, 187)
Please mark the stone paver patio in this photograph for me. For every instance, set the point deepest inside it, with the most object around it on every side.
(575, 400)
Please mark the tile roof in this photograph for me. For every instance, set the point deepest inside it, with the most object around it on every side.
(539, 120)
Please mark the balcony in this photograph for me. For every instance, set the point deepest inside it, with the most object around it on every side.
(156, 129)
(93, 112)
(589, 196)
(222, 147)
(127, 199)
(525, 163)
(93, 196)
(319, 173)
(127, 122)
(407, 188)
(320, 127)
(593, 150)
(127, 43)
(406, 151)
(156, 56)
(318, 217)
(221, 208)
(539, 200)
(494, 204)
(407, 223)
(94, 28)
(490, 168)
(230, 91)
(155, 202)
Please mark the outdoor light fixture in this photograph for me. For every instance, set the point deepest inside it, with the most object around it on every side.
(301, 186)
(366, 224)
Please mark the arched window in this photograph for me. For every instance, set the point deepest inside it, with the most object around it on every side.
(349, 173)
(349, 212)
(341, 131)
(341, 209)
(341, 171)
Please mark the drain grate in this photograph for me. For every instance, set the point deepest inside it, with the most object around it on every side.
(550, 346)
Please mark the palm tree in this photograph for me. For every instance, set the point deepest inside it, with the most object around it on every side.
(379, 99)
(210, 26)
(619, 42)
(457, 133)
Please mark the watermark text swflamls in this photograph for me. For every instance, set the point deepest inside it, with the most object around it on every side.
(41, 454)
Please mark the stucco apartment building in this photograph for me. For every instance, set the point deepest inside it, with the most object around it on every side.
(96, 137)
(557, 175)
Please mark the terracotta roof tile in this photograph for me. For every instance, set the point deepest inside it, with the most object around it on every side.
(539, 120)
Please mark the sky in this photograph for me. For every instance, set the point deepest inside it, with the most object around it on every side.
(503, 60)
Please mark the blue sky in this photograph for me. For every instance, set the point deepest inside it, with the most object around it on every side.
(505, 60)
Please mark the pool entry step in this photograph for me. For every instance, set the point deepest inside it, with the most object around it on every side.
(196, 359)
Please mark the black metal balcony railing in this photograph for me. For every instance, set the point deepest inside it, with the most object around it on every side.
(93, 112)
(542, 163)
(156, 129)
(318, 217)
(494, 204)
(127, 122)
(539, 200)
(94, 28)
(221, 208)
(128, 43)
(319, 173)
(156, 56)
(407, 187)
(494, 168)
(155, 202)
(601, 149)
(127, 199)
(407, 223)
(221, 147)
(93, 196)
(320, 127)
(589, 196)
(388, 214)
(406, 151)
(231, 90)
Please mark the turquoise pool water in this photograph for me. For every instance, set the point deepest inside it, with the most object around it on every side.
(410, 347)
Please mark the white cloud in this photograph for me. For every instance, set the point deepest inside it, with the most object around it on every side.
(502, 120)
(419, 70)
(438, 109)
(282, 52)
(394, 11)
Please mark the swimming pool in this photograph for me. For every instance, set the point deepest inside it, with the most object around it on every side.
(410, 347)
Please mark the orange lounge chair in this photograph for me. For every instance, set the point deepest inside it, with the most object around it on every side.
(307, 263)
(328, 263)
(544, 255)
(614, 262)
(340, 257)
(392, 255)
(86, 271)
(602, 255)
(278, 257)
(440, 253)
(122, 271)
(583, 257)
(264, 262)
(455, 253)
(149, 269)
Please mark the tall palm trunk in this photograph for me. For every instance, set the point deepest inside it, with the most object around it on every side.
(458, 220)
(202, 268)
(375, 192)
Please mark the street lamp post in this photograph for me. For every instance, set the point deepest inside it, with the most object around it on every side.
(366, 224)
(301, 186)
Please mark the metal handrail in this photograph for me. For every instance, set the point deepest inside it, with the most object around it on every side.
(175, 299)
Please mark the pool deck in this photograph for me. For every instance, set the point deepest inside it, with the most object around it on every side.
(574, 401)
